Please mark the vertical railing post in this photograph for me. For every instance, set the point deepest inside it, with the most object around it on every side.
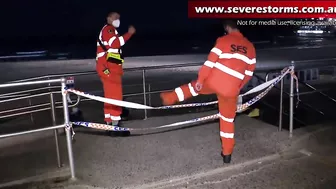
(291, 101)
(281, 103)
(31, 114)
(68, 129)
(144, 89)
(149, 95)
(53, 116)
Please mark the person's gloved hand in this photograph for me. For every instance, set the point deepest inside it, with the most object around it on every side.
(198, 86)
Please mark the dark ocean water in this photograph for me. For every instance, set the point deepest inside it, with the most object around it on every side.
(84, 47)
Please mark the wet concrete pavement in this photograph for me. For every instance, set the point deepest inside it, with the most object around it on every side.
(185, 158)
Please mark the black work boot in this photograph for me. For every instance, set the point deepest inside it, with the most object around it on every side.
(226, 158)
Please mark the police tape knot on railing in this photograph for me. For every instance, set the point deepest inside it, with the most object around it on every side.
(240, 108)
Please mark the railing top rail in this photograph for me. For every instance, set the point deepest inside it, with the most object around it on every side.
(314, 60)
(94, 72)
(159, 67)
(30, 83)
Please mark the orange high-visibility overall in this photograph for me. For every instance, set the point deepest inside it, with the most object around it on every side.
(110, 72)
(230, 65)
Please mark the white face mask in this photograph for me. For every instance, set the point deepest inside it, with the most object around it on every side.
(116, 23)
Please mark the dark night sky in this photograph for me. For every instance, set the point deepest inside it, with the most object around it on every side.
(73, 17)
(73, 25)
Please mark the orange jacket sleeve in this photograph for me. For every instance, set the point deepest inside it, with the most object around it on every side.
(114, 41)
(210, 62)
(117, 41)
(250, 68)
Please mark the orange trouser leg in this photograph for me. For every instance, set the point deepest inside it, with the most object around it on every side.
(113, 90)
(227, 113)
(183, 93)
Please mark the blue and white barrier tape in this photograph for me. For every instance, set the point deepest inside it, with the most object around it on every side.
(115, 128)
(240, 108)
(249, 103)
(126, 104)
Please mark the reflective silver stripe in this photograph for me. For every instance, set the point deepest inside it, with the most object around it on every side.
(107, 115)
(229, 71)
(230, 120)
(192, 91)
(121, 40)
(100, 54)
(100, 34)
(115, 118)
(104, 43)
(113, 50)
(209, 64)
(216, 51)
(249, 73)
(226, 135)
(180, 94)
(237, 56)
(111, 40)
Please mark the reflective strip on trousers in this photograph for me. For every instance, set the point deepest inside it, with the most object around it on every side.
(179, 93)
(115, 118)
(223, 134)
(230, 120)
(226, 135)
(192, 91)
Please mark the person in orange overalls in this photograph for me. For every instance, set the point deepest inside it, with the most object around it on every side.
(230, 65)
(109, 65)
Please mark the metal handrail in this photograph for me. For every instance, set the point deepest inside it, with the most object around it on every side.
(66, 124)
(145, 68)
(23, 97)
(303, 103)
(274, 108)
(30, 83)
(320, 63)
(13, 96)
(127, 69)
(318, 91)
(31, 131)
(311, 87)
(78, 100)
(28, 91)
(36, 106)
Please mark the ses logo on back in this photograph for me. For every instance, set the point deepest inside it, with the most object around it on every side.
(238, 49)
